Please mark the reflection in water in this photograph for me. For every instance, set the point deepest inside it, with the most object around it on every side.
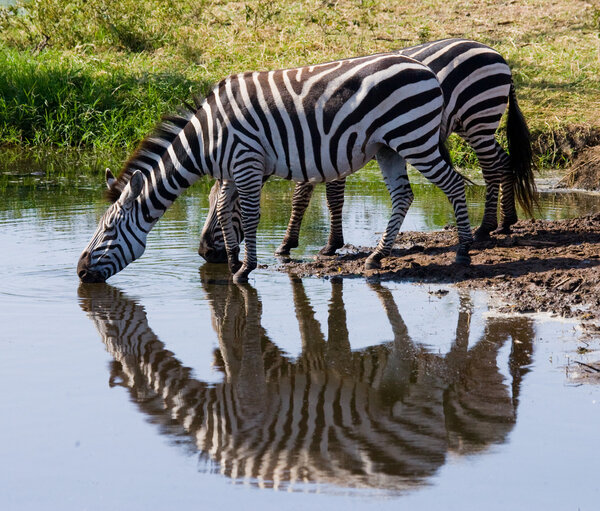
(381, 417)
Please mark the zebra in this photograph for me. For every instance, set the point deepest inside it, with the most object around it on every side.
(477, 85)
(385, 416)
(309, 124)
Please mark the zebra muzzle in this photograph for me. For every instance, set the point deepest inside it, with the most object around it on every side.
(86, 274)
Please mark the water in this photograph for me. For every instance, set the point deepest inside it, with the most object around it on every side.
(171, 388)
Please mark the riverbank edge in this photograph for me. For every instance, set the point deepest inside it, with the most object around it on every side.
(543, 266)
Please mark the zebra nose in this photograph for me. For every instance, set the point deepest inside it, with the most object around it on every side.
(212, 255)
(84, 272)
(83, 264)
(205, 249)
(89, 277)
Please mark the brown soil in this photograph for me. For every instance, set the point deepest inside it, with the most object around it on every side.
(543, 266)
(567, 145)
(585, 170)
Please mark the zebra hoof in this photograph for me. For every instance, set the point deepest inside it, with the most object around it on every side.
(372, 263)
(462, 256)
(503, 229)
(331, 247)
(327, 250)
(241, 277)
(235, 267)
(482, 234)
(285, 247)
(506, 223)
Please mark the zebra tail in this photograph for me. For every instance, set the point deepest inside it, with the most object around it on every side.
(521, 156)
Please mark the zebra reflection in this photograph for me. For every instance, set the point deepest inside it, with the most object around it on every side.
(382, 417)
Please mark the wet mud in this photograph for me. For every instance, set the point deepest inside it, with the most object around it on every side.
(542, 266)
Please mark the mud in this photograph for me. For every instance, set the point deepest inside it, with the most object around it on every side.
(542, 266)
(585, 171)
(562, 147)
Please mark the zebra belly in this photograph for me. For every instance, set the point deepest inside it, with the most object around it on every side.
(316, 170)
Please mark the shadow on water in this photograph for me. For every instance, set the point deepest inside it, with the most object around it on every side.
(383, 417)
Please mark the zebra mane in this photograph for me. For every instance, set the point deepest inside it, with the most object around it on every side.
(163, 134)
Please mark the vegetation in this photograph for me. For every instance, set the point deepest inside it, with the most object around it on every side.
(99, 74)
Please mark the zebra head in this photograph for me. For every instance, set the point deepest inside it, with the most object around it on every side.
(212, 241)
(119, 238)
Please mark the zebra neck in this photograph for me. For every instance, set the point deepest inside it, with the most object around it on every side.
(175, 164)
(181, 150)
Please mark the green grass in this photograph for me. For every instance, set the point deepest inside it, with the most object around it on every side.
(100, 74)
(64, 100)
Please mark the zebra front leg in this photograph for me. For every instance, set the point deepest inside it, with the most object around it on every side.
(249, 192)
(224, 205)
(393, 168)
(302, 194)
(335, 204)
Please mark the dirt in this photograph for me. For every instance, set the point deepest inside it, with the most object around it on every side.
(585, 170)
(542, 266)
(566, 146)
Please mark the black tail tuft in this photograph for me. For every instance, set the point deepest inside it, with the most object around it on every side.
(521, 157)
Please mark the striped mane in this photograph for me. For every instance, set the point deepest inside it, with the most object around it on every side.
(162, 136)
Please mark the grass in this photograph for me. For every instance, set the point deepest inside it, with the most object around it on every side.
(99, 74)
(58, 99)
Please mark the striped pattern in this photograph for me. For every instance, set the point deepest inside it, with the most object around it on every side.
(310, 124)
(477, 87)
(384, 417)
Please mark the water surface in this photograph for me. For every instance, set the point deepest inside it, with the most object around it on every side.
(170, 388)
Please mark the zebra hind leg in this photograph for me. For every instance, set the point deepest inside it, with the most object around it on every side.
(393, 168)
(453, 185)
(335, 204)
(494, 165)
(302, 194)
(508, 210)
(518, 181)
(499, 177)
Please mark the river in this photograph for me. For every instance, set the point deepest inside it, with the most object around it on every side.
(169, 387)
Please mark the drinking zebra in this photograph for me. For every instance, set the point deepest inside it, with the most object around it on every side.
(383, 417)
(309, 124)
(477, 86)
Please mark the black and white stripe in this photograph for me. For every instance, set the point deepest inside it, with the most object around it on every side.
(385, 416)
(477, 86)
(311, 124)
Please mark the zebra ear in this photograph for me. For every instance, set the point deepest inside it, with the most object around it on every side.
(133, 188)
(110, 178)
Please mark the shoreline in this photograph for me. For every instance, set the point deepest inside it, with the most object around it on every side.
(543, 266)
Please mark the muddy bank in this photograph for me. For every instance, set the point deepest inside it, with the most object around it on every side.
(576, 148)
(584, 172)
(561, 147)
(543, 266)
